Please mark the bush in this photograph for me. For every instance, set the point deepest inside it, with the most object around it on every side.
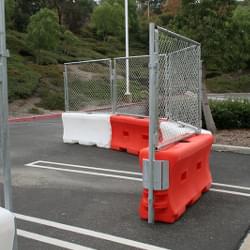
(231, 114)
(46, 57)
(53, 100)
(23, 81)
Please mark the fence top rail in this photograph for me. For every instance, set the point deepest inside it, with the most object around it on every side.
(180, 50)
(130, 57)
(88, 61)
(175, 35)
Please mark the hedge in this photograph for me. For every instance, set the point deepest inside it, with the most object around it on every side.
(231, 114)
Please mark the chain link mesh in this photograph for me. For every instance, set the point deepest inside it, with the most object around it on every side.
(179, 87)
(97, 86)
(136, 101)
(89, 85)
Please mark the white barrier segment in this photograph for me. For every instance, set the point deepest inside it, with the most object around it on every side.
(87, 129)
(7, 229)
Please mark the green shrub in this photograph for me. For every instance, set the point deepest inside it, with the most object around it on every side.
(23, 81)
(53, 100)
(36, 111)
(46, 57)
(231, 114)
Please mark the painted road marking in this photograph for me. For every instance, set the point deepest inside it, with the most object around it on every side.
(231, 186)
(51, 241)
(36, 165)
(84, 167)
(91, 233)
(229, 192)
(87, 172)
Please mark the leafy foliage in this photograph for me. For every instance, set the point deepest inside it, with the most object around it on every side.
(231, 114)
(74, 15)
(112, 24)
(24, 10)
(43, 31)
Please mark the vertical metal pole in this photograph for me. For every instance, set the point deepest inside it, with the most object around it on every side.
(127, 48)
(4, 113)
(5, 157)
(152, 115)
(149, 10)
(114, 88)
(66, 89)
(200, 89)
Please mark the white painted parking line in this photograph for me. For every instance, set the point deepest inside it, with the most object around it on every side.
(51, 241)
(231, 186)
(86, 172)
(91, 233)
(123, 177)
(83, 167)
(229, 192)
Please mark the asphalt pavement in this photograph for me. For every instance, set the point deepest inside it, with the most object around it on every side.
(84, 197)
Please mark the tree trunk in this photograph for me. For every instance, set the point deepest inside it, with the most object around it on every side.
(210, 124)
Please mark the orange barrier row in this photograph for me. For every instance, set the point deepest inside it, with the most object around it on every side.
(129, 133)
(189, 177)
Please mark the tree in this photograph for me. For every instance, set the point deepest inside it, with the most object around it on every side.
(24, 10)
(241, 28)
(209, 23)
(77, 13)
(9, 10)
(43, 31)
(108, 19)
(73, 14)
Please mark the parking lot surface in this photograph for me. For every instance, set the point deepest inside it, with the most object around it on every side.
(78, 197)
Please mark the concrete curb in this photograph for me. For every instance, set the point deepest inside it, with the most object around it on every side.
(35, 118)
(229, 148)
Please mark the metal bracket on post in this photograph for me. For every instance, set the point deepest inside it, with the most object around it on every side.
(160, 173)
(5, 54)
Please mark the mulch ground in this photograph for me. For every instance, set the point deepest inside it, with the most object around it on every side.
(235, 137)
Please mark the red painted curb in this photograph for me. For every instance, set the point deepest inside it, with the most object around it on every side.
(35, 118)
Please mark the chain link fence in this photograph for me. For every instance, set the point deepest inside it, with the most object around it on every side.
(179, 79)
(103, 86)
(88, 86)
(131, 97)
(121, 86)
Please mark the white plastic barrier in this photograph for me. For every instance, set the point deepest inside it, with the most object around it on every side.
(7, 229)
(87, 129)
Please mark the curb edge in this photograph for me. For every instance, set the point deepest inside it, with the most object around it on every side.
(35, 118)
(230, 148)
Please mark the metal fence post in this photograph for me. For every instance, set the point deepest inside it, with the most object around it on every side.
(5, 157)
(200, 90)
(66, 88)
(152, 125)
(114, 87)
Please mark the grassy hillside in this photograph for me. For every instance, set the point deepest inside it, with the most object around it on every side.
(45, 80)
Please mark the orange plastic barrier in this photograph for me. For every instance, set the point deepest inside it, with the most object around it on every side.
(129, 133)
(189, 177)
